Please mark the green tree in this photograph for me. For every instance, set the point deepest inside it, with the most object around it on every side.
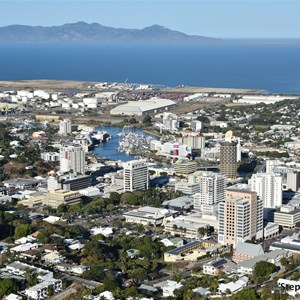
(50, 290)
(147, 120)
(7, 286)
(262, 271)
(22, 230)
(133, 121)
(245, 294)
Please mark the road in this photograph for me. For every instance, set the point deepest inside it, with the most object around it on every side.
(86, 283)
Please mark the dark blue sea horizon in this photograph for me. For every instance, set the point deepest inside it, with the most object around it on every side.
(272, 67)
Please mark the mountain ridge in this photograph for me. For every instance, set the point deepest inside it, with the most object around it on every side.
(95, 32)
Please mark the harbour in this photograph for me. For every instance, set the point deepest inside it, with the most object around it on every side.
(122, 142)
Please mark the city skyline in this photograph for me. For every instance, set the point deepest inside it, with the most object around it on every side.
(217, 18)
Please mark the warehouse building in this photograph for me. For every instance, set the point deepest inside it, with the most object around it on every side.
(139, 108)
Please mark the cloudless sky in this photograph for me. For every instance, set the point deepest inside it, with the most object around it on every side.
(214, 18)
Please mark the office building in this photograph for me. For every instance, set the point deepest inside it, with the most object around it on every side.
(136, 176)
(240, 217)
(287, 216)
(72, 159)
(212, 191)
(268, 187)
(59, 197)
(69, 182)
(65, 127)
(189, 187)
(185, 167)
(148, 215)
(228, 159)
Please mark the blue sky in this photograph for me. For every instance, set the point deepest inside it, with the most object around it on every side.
(215, 18)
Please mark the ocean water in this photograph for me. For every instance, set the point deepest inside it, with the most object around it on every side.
(274, 68)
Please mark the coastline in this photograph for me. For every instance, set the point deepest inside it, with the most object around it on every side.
(55, 85)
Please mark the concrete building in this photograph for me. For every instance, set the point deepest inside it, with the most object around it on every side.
(193, 141)
(271, 230)
(187, 187)
(288, 243)
(185, 167)
(58, 197)
(50, 156)
(293, 180)
(65, 127)
(148, 215)
(196, 125)
(72, 159)
(69, 182)
(212, 191)
(228, 159)
(176, 150)
(268, 187)
(170, 121)
(287, 216)
(136, 176)
(210, 154)
(40, 291)
(143, 107)
(185, 228)
(240, 217)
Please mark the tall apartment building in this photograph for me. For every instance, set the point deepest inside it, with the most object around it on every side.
(293, 180)
(65, 127)
(136, 175)
(193, 141)
(240, 217)
(72, 158)
(212, 191)
(268, 187)
(228, 159)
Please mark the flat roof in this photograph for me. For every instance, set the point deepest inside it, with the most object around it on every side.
(286, 246)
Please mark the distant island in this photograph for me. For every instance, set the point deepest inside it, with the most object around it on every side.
(97, 33)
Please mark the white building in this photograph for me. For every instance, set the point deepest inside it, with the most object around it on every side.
(212, 190)
(193, 141)
(196, 125)
(293, 180)
(168, 287)
(65, 127)
(271, 230)
(136, 175)
(287, 216)
(50, 156)
(268, 187)
(267, 99)
(143, 107)
(72, 157)
(148, 215)
(40, 291)
(176, 150)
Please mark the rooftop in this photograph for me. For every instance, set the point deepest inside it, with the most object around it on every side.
(249, 249)
(184, 247)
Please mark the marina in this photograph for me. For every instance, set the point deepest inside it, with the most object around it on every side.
(123, 141)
